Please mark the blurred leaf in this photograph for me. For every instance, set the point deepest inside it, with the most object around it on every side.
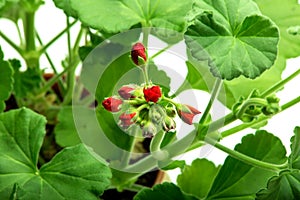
(165, 191)
(285, 186)
(234, 37)
(198, 178)
(72, 174)
(294, 159)
(175, 164)
(241, 181)
(124, 14)
(6, 80)
(26, 82)
(285, 15)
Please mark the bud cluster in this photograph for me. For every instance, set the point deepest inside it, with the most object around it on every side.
(145, 105)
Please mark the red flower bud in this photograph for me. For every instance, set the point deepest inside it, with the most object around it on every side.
(187, 113)
(152, 94)
(126, 91)
(112, 104)
(138, 54)
(125, 119)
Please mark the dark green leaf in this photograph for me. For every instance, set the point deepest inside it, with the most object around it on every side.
(6, 80)
(74, 173)
(234, 37)
(165, 191)
(114, 16)
(282, 187)
(66, 130)
(198, 178)
(294, 159)
(26, 82)
(241, 181)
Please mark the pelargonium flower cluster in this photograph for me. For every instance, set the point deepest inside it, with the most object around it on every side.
(145, 105)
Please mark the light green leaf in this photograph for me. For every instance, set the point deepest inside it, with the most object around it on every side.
(241, 181)
(165, 191)
(12, 10)
(285, 15)
(198, 178)
(284, 186)
(294, 159)
(74, 173)
(119, 15)
(66, 7)
(234, 37)
(6, 80)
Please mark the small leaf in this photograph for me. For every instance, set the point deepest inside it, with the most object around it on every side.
(26, 82)
(198, 178)
(243, 44)
(124, 14)
(74, 173)
(12, 10)
(239, 180)
(284, 186)
(174, 164)
(294, 159)
(165, 191)
(6, 81)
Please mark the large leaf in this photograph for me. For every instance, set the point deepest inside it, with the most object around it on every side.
(241, 181)
(198, 178)
(166, 191)
(294, 159)
(285, 15)
(284, 186)
(234, 37)
(6, 80)
(119, 15)
(72, 174)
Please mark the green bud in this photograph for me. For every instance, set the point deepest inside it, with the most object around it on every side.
(156, 113)
(149, 130)
(168, 124)
(171, 112)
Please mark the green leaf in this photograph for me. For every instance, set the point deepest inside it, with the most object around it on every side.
(284, 15)
(12, 10)
(6, 80)
(74, 173)
(174, 164)
(284, 186)
(166, 191)
(66, 130)
(294, 159)
(66, 7)
(198, 178)
(234, 37)
(26, 82)
(115, 16)
(241, 181)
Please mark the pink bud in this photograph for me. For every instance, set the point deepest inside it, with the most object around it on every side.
(187, 113)
(138, 52)
(125, 119)
(112, 104)
(126, 91)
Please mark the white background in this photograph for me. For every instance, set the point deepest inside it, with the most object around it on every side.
(50, 21)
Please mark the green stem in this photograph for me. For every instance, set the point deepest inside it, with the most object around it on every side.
(161, 51)
(71, 72)
(12, 44)
(280, 84)
(246, 159)
(250, 102)
(52, 81)
(19, 34)
(43, 49)
(260, 120)
(145, 73)
(29, 31)
(214, 95)
(135, 188)
(170, 100)
(155, 144)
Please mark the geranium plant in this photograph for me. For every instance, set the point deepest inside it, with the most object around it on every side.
(100, 133)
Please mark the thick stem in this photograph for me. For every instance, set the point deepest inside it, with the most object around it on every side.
(29, 31)
(246, 159)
